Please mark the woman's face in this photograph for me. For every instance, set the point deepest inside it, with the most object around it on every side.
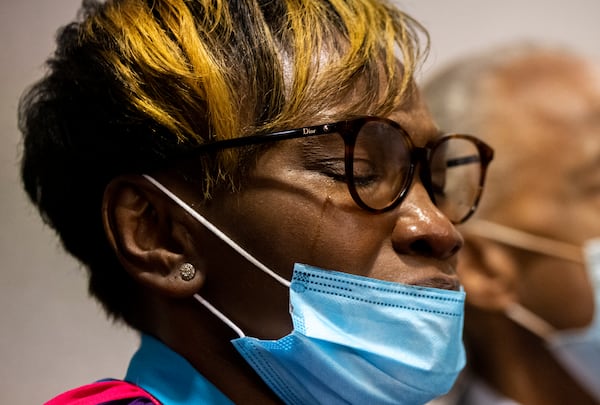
(290, 210)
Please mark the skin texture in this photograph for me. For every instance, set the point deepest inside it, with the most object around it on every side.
(285, 213)
(135, 86)
(541, 114)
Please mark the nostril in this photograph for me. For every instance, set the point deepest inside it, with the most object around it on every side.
(455, 249)
(421, 247)
(441, 249)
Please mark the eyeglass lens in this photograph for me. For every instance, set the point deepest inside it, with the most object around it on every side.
(455, 166)
(381, 164)
(382, 169)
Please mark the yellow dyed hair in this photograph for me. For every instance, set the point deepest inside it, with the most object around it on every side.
(215, 69)
(135, 85)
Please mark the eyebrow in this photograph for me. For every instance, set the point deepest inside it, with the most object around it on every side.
(315, 147)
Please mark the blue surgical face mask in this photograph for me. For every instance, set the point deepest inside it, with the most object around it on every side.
(577, 350)
(355, 339)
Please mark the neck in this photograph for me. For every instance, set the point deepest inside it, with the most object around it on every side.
(205, 341)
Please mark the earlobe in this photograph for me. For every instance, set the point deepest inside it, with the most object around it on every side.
(150, 237)
(489, 274)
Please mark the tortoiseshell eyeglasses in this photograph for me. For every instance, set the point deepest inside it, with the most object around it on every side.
(379, 161)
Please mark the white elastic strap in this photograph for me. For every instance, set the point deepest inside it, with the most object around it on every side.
(519, 239)
(530, 321)
(217, 232)
(219, 315)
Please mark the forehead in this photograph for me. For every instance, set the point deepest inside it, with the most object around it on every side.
(543, 100)
(544, 122)
(412, 115)
(559, 87)
(416, 120)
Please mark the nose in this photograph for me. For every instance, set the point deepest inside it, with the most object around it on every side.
(422, 230)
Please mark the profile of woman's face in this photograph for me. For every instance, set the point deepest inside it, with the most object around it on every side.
(562, 158)
(293, 209)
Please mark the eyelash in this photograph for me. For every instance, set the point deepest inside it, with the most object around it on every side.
(335, 170)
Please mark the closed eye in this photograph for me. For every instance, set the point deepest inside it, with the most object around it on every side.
(330, 167)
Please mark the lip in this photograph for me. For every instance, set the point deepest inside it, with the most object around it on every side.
(441, 282)
(432, 273)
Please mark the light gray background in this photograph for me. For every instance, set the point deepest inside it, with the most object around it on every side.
(52, 337)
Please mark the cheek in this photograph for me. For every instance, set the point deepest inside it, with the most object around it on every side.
(559, 292)
(287, 214)
(348, 240)
(283, 229)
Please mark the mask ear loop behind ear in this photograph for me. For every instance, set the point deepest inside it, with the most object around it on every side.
(217, 231)
(219, 315)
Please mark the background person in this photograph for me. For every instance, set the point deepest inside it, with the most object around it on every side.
(529, 282)
(213, 163)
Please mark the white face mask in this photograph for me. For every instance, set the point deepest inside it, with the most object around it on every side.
(577, 350)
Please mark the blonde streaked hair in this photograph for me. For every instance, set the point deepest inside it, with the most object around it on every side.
(218, 69)
(135, 85)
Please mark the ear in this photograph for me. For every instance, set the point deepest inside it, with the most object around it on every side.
(150, 236)
(489, 274)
